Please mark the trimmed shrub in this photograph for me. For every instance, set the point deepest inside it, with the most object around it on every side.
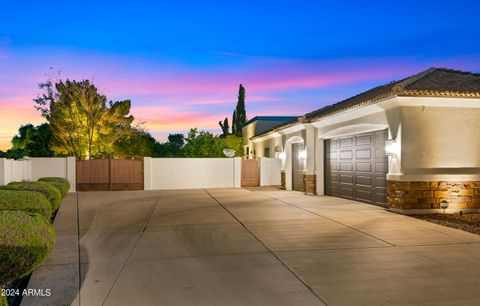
(29, 201)
(58, 182)
(52, 193)
(25, 242)
(3, 300)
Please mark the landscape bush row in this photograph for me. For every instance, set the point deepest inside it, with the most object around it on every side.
(26, 231)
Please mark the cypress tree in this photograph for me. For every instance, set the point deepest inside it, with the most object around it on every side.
(240, 113)
(234, 123)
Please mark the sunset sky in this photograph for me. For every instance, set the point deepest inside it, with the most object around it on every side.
(180, 62)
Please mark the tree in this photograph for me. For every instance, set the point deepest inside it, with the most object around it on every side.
(177, 141)
(138, 143)
(81, 122)
(205, 144)
(234, 122)
(224, 127)
(33, 140)
(240, 114)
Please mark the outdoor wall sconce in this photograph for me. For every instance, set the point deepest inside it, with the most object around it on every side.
(302, 154)
(391, 147)
(444, 205)
(282, 155)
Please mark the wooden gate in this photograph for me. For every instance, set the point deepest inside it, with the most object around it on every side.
(250, 173)
(109, 174)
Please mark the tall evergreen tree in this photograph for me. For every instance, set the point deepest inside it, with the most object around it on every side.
(234, 123)
(240, 112)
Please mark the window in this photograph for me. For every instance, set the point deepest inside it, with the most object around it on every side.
(266, 152)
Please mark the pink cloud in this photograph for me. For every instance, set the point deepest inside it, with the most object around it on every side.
(172, 98)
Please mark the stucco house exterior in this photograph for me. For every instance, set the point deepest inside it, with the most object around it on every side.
(258, 125)
(408, 145)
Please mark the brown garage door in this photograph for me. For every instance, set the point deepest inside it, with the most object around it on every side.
(297, 167)
(356, 167)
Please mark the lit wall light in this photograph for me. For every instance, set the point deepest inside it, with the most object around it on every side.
(391, 147)
(302, 154)
(282, 155)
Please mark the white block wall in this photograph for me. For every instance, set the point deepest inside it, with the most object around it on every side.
(32, 169)
(190, 173)
(270, 171)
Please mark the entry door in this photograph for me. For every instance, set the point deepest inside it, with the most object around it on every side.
(297, 167)
(356, 167)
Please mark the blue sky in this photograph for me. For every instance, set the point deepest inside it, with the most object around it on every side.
(181, 62)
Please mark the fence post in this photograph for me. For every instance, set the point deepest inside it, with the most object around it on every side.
(3, 179)
(237, 172)
(109, 172)
(147, 173)
(71, 172)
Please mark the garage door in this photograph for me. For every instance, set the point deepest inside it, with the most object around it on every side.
(356, 167)
(297, 167)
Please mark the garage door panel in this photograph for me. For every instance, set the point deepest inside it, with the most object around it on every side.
(346, 167)
(381, 167)
(356, 167)
(346, 142)
(346, 154)
(364, 180)
(364, 194)
(346, 191)
(363, 140)
(332, 155)
(363, 154)
(346, 178)
(381, 182)
(364, 167)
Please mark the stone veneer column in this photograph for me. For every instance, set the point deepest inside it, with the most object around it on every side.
(282, 181)
(409, 196)
(310, 183)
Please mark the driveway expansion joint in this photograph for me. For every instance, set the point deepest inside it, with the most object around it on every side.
(133, 248)
(322, 299)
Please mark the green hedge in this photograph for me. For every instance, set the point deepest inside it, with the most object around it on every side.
(29, 201)
(52, 193)
(3, 301)
(25, 242)
(58, 182)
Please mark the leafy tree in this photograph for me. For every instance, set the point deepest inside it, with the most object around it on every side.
(172, 148)
(177, 141)
(34, 140)
(200, 144)
(205, 144)
(233, 142)
(138, 143)
(16, 153)
(224, 127)
(81, 122)
(2, 154)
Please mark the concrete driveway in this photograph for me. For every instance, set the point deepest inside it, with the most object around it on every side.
(251, 247)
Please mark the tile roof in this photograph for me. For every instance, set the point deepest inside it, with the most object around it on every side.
(434, 82)
(270, 118)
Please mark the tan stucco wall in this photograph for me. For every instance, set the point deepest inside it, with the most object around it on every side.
(440, 140)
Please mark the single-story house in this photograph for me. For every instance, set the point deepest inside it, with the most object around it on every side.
(258, 125)
(412, 145)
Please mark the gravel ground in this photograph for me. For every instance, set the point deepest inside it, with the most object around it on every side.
(467, 222)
